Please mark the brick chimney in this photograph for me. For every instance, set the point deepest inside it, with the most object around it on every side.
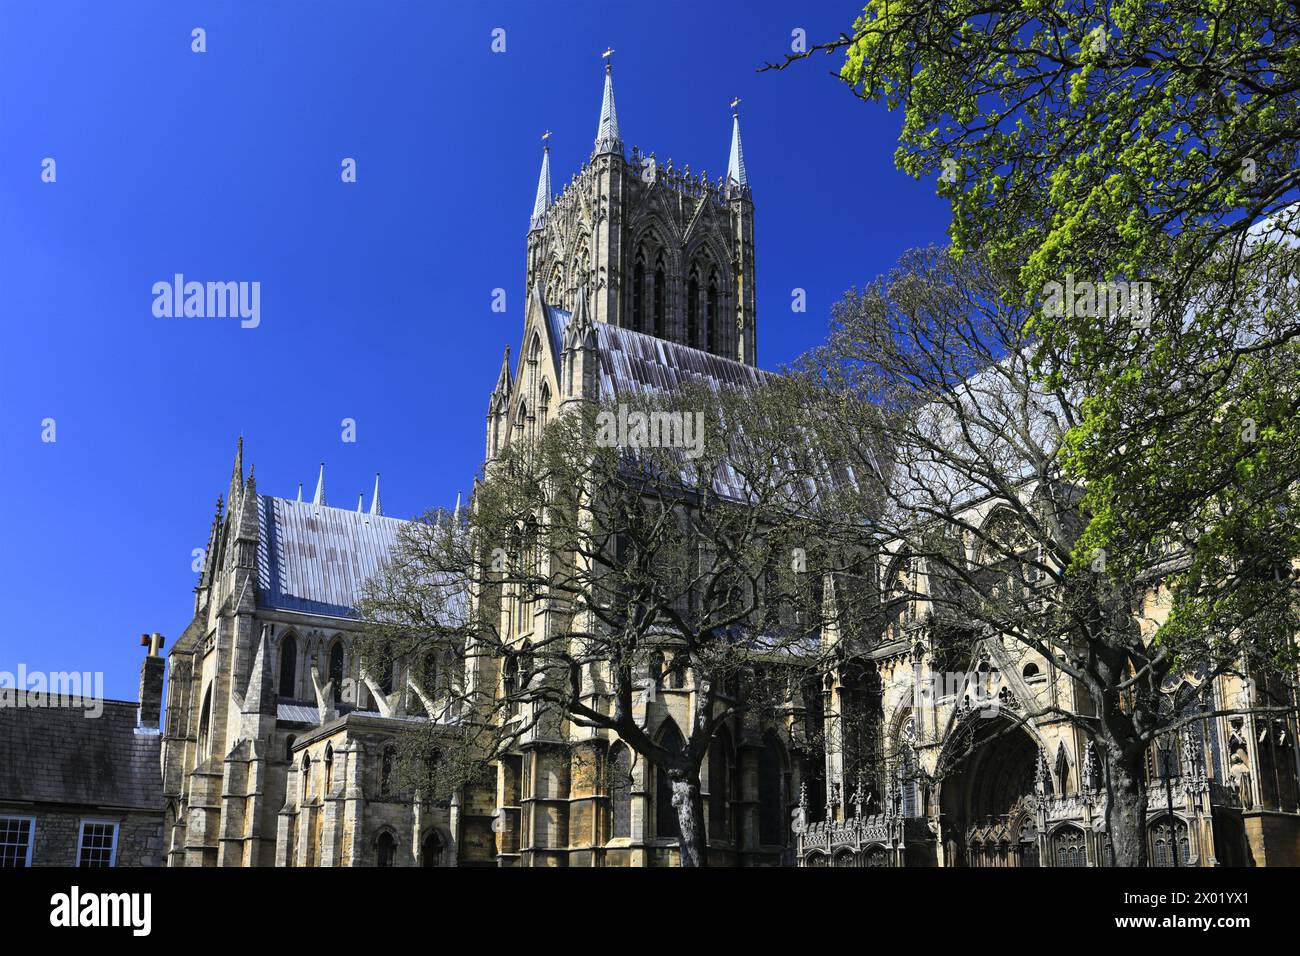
(151, 683)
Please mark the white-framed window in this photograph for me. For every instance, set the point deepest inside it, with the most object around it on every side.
(97, 844)
(16, 839)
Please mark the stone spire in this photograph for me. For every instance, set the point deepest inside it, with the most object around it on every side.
(375, 507)
(505, 382)
(300, 492)
(608, 137)
(319, 499)
(543, 200)
(237, 472)
(361, 502)
(259, 695)
(736, 162)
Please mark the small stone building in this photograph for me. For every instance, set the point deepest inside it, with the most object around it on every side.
(81, 787)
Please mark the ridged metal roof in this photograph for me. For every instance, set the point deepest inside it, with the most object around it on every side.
(634, 362)
(314, 558)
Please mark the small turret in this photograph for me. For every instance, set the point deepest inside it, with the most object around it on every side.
(580, 379)
(319, 498)
(499, 409)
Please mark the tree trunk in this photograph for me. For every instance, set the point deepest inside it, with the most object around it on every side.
(1126, 810)
(690, 818)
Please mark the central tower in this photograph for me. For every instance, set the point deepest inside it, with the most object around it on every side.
(661, 250)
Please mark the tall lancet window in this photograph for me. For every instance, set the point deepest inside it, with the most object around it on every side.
(711, 315)
(205, 725)
(543, 407)
(620, 791)
(638, 294)
(693, 311)
(666, 820)
(658, 303)
(336, 670)
(288, 666)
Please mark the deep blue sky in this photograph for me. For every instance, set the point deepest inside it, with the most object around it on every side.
(375, 296)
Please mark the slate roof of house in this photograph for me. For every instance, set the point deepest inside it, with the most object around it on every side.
(314, 558)
(61, 755)
(634, 362)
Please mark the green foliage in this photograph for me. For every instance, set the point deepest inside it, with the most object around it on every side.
(1135, 142)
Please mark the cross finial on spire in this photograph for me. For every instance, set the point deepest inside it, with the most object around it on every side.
(607, 56)
(545, 136)
(735, 103)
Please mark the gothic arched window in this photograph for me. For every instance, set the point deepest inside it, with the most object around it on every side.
(620, 791)
(693, 311)
(431, 850)
(638, 294)
(711, 314)
(385, 849)
(1063, 769)
(205, 725)
(1163, 847)
(861, 718)
(543, 407)
(1067, 846)
(306, 776)
(336, 670)
(720, 787)
(677, 672)
(329, 767)
(510, 683)
(386, 771)
(288, 747)
(771, 792)
(657, 305)
(666, 825)
(288, 666)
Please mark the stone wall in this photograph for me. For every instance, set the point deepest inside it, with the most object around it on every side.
(139, 834)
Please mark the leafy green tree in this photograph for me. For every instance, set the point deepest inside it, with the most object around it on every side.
(601, 565)
(932, 369)
(1101, 146)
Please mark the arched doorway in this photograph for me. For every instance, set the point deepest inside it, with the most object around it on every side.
(385, 849)
(988, 777)
(431, 849)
